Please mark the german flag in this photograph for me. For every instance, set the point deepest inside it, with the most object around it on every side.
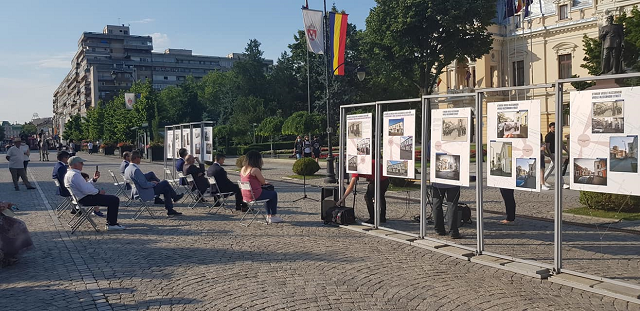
(337, 40)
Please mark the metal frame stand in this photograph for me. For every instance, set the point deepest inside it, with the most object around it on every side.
(304, 190)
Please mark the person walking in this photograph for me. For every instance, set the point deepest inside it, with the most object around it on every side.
(27, 152)
(307, 146)
(297, 147)
(316, 148)
(15, 156)
(543, 152)
(550, 145)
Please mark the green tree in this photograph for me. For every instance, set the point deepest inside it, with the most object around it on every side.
(95, 123)
(270, 127)
(29, 129)
(246, 112)
(2, 134)
(419, 38)
(251, 71)
(302, 122)
(73, 129)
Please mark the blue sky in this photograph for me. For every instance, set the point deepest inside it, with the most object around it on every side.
(39, 38)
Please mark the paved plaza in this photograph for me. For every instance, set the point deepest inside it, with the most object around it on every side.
(201, 261)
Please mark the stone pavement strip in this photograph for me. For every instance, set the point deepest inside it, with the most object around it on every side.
(202, 261)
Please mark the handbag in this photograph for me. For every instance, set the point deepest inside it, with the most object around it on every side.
(268, 187)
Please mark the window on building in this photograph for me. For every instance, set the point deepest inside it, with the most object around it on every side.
(518, 73)
(166, 78)
(564, 12)
(564, 66)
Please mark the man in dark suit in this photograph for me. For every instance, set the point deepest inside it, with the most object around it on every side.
(223, 183)
(59, 170)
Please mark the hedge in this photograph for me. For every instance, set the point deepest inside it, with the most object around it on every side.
(610, 201)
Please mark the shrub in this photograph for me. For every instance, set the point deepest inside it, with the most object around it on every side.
(610, 201)
(305, 167)
(240, 161)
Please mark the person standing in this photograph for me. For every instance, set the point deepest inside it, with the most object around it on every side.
(316, 148)
(550, 145)
(90, 147)
(88, 195)
(15, 156)
(27, 152)
(452, 195)
(297, 147)
(565, 164)
(72, 147)
(509, 204)
(369, 196)
(543, 153)
(307, 146)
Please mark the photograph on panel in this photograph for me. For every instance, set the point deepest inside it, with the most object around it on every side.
(196, 134)
(608, 117)
(501, 160)
(354, 130)
(352, 163)
(513, 124)
(448, 166)
(526, 173)
(206, 135)
(364, 146)
(623, 154)
(590, 171)
(209, 148)
(397, 168)
(406, 148)
(197, 146)
(454, 129)
(396, 127)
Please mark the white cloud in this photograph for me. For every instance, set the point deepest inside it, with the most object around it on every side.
(37, 61)
(161, 41)
(143, 21)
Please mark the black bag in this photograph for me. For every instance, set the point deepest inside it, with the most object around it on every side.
(268, 187)
(343, 215)
(464, 213)
(326, 213)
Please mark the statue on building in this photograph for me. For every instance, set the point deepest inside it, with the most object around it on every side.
(611, 36)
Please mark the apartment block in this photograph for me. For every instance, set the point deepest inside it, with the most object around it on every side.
(109, 62)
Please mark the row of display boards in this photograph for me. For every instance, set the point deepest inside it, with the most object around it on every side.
(603, 143)
(197, 138)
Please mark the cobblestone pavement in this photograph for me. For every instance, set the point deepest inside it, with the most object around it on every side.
(209, 262)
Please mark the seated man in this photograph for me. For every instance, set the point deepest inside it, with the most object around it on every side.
(150, 176)
(180, 164)
(59, 171)
(88, 195)
(223, 182)
(147, 189)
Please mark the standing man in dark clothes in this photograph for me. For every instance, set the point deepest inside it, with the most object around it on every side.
(452, 195)
(509, 204)
(369, 196)
(550, 145)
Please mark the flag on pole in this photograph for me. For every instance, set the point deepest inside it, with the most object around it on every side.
(510, 9)
(519, 5)
(527, 8)
(129, 100)
(337, 41)
(313, 30)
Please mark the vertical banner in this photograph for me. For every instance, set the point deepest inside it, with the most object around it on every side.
(129, 100)
(604, 140)
(399, 145)
(208, 142)
(450, 146)
(197, 143)
(177, 136)
(337, 41)
(359, 138)
(513, 149)
(186, 139)
(169, 139)
(313, 30)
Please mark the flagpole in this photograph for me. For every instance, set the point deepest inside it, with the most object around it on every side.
(331, 175)
(308, 84)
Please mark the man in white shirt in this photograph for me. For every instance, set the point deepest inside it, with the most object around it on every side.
(17, 165)
(27, 152)
(88, 195)
(90, 147)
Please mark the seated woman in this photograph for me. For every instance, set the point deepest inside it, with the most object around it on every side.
(14, 237)
(200, 179)
(252, 173)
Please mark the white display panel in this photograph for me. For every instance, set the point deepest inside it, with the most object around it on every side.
(208, 143)
(399, 145)
(450, 146)
(359, 139)
(605, 125)
(169, 139)
(513, 145)
(186, 139)
(177, 136)
(197, 142)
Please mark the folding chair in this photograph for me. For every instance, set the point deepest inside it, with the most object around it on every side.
(253, 204)
(175, 183)
(82, 215)
(195, 194)
(64, 204)
(220, 197)
(122, 189)
(143, 204)
(187, 188)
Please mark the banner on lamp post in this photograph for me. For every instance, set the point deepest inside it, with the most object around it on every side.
(313, 30)
(129, 100)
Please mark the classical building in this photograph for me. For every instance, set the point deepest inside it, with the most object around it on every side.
(11, 131)
(538, 49)
(110, 61)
